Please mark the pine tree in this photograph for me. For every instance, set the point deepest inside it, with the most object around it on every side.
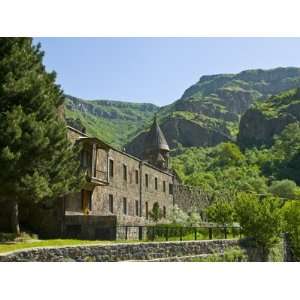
(37, 161)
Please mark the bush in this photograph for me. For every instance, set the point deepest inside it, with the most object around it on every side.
(260, 219)
(220, 212)
(156, 213)
(194, 219)
(178, 216)
(291, 214)
(234, 254)
(284, 188)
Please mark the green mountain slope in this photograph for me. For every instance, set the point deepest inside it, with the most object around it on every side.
(115, 122)
(266, 119)
(209, 111)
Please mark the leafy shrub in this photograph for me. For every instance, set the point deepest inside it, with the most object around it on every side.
(220, 212)
(284, 188)
(156, 214)
(291, 214)
(260, 219)
(178, 216)
(233, 254)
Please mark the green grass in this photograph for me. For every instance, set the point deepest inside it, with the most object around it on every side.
(34, 243)
(233, 254)
(8, 247)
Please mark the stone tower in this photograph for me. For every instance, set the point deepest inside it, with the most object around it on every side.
(156, 148)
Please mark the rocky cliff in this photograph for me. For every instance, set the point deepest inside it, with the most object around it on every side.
(266, 119)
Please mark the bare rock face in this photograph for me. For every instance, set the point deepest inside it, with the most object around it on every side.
(236, 101)
(261, 123)
(180, 131)
(190, 134)
(256, 129)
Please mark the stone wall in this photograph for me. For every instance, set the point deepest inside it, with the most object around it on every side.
(187, 198)
(134, 192)
(90, 227)
(150, 194)
(74, 134)
(121, 252)
(120, 188)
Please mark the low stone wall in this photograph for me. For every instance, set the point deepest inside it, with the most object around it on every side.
(120, 252)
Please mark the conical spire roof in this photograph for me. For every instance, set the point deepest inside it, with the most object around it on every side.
(155, 139)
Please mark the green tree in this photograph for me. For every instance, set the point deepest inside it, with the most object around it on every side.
(220, 212)
(35, 153)
(229, 154)
(260, 220)
(194, 219)
(284, 188)
(287, 144)
(156, 213)
(291, 213)
(177, 216)
(284, 157)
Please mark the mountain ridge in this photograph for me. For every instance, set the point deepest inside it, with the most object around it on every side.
(210, 110)
(207, 113)
(113, 121)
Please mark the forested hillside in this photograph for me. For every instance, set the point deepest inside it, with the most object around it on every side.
(225, 168)
(115, 122)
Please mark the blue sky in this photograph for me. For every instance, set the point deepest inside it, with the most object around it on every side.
(156, 70)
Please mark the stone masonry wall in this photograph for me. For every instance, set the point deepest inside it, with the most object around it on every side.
(187, 198)
(120, 252)
(135, 192)
(150, 195)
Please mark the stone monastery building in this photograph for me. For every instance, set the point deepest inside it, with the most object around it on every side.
(120, 189)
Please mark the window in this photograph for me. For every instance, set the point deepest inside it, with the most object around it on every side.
(136, 176)
(156, 184)
(164, 186)
(146, 180)
(125, 172)
(125, 206)
(170, 188)
(147, 211)
(111, 168)
(164, 212)
(111, 203)
(136, 207)
(86, 158)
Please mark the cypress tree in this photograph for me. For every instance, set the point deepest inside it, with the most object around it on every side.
(37, 161)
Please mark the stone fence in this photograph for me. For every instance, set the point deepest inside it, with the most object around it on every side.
(120, 252)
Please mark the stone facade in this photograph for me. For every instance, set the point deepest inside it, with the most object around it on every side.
(118, 185)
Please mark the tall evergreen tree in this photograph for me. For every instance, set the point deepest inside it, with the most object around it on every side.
(37, 161)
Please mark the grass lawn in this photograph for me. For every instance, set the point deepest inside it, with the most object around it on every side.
(33, 242)
(8, 247)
